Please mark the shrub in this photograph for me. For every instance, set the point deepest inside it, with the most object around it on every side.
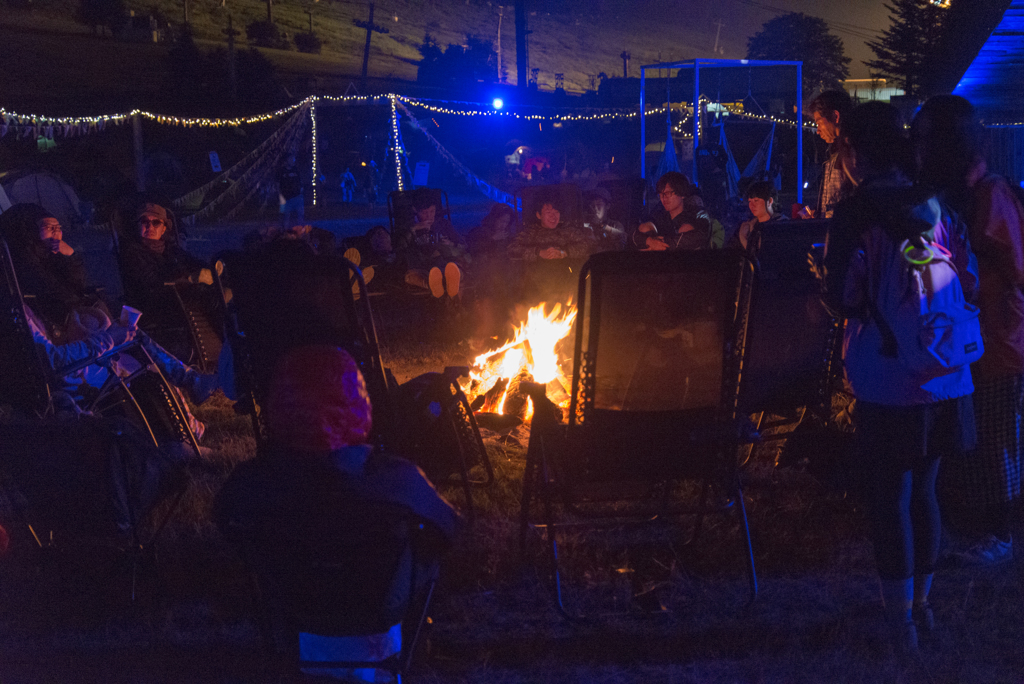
(263, 34)
(97, 13)
(308, 42)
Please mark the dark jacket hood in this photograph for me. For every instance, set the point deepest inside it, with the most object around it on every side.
(903, 210)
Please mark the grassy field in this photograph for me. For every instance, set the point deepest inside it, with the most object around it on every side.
(817, 619)
(568, 38)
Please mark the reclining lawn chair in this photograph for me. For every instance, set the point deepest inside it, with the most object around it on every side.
(134, 417)
(658, 356)
(344, 582)
(285, 295)
(193, 333)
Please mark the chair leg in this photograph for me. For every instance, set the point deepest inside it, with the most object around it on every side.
(752, 571)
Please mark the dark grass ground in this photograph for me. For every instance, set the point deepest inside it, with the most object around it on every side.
(66, 617)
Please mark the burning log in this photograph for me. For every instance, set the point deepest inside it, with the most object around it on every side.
(516, 402)
(532, 356)
(493, 396)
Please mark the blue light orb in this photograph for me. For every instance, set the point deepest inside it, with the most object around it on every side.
(498, 103)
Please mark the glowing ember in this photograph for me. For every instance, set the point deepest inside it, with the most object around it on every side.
(532, 352)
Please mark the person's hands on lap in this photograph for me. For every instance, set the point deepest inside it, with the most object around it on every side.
(551, 253)
(656, 244)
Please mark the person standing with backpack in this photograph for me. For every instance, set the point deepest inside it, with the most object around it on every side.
(897, 268)
(986, 486)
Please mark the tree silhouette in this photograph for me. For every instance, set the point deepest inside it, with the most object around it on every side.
(100, 13)
(801, 38)
(907, 47)
(458, 65)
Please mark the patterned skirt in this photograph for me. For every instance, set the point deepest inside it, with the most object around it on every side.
(991, 473)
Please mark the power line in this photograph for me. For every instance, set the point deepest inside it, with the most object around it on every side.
(862, 32)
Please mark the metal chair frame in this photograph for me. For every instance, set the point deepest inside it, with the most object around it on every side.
(550, 482)
(40, 403)
(417, 607)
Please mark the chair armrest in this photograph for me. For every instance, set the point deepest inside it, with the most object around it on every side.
(85, 363)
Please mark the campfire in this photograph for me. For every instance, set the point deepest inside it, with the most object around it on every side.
(531, 356)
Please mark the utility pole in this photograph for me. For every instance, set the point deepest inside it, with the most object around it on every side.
(719, 24)
(186, 12)
(310, 13)
(625, 63)
(270, 11)
(371, 28)
(501, 14)
(230, 32)
(522, 46)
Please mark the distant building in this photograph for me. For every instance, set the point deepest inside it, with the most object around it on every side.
(867, 89)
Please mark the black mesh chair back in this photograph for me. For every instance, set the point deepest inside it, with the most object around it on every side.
(659, 347)
(284, 295)
(792, 334)
(659, 352)
(333, 564)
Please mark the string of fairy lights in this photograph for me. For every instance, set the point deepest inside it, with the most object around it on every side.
(434, 106)
(316, 151)
(396, 144)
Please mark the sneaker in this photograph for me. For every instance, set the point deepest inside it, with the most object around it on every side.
(991, 550)
(352, 254)
(435, 279)
(367, 277)
(923, 616)
(452, 278)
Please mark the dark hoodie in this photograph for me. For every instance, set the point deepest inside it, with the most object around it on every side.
(865, 232)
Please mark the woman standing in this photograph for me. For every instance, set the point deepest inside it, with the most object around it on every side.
(947, 141)
(905, 421)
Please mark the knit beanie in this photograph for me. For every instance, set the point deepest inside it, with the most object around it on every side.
(318, 401)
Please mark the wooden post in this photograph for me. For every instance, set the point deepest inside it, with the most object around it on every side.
(371, 28)
(140, 159)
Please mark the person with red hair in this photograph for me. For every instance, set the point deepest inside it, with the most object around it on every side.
(318, 461)
(319, 419)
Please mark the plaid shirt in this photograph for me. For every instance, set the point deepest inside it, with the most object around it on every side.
(833, 187)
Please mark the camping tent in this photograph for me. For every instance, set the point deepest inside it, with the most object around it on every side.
(47, 190)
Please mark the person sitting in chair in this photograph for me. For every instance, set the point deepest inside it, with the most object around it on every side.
(609, 233)
(435, 254)
(552, 251)
(682, 223)
(151, 258)
(50, 272)
(90, 335)
(318, 459)
(761, 198)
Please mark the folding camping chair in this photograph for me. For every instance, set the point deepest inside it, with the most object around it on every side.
(660, 341)
(145, 399)
(285, 295)
(195, 335)
(335, 568)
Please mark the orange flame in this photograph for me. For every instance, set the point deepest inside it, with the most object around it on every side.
(532, 349)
